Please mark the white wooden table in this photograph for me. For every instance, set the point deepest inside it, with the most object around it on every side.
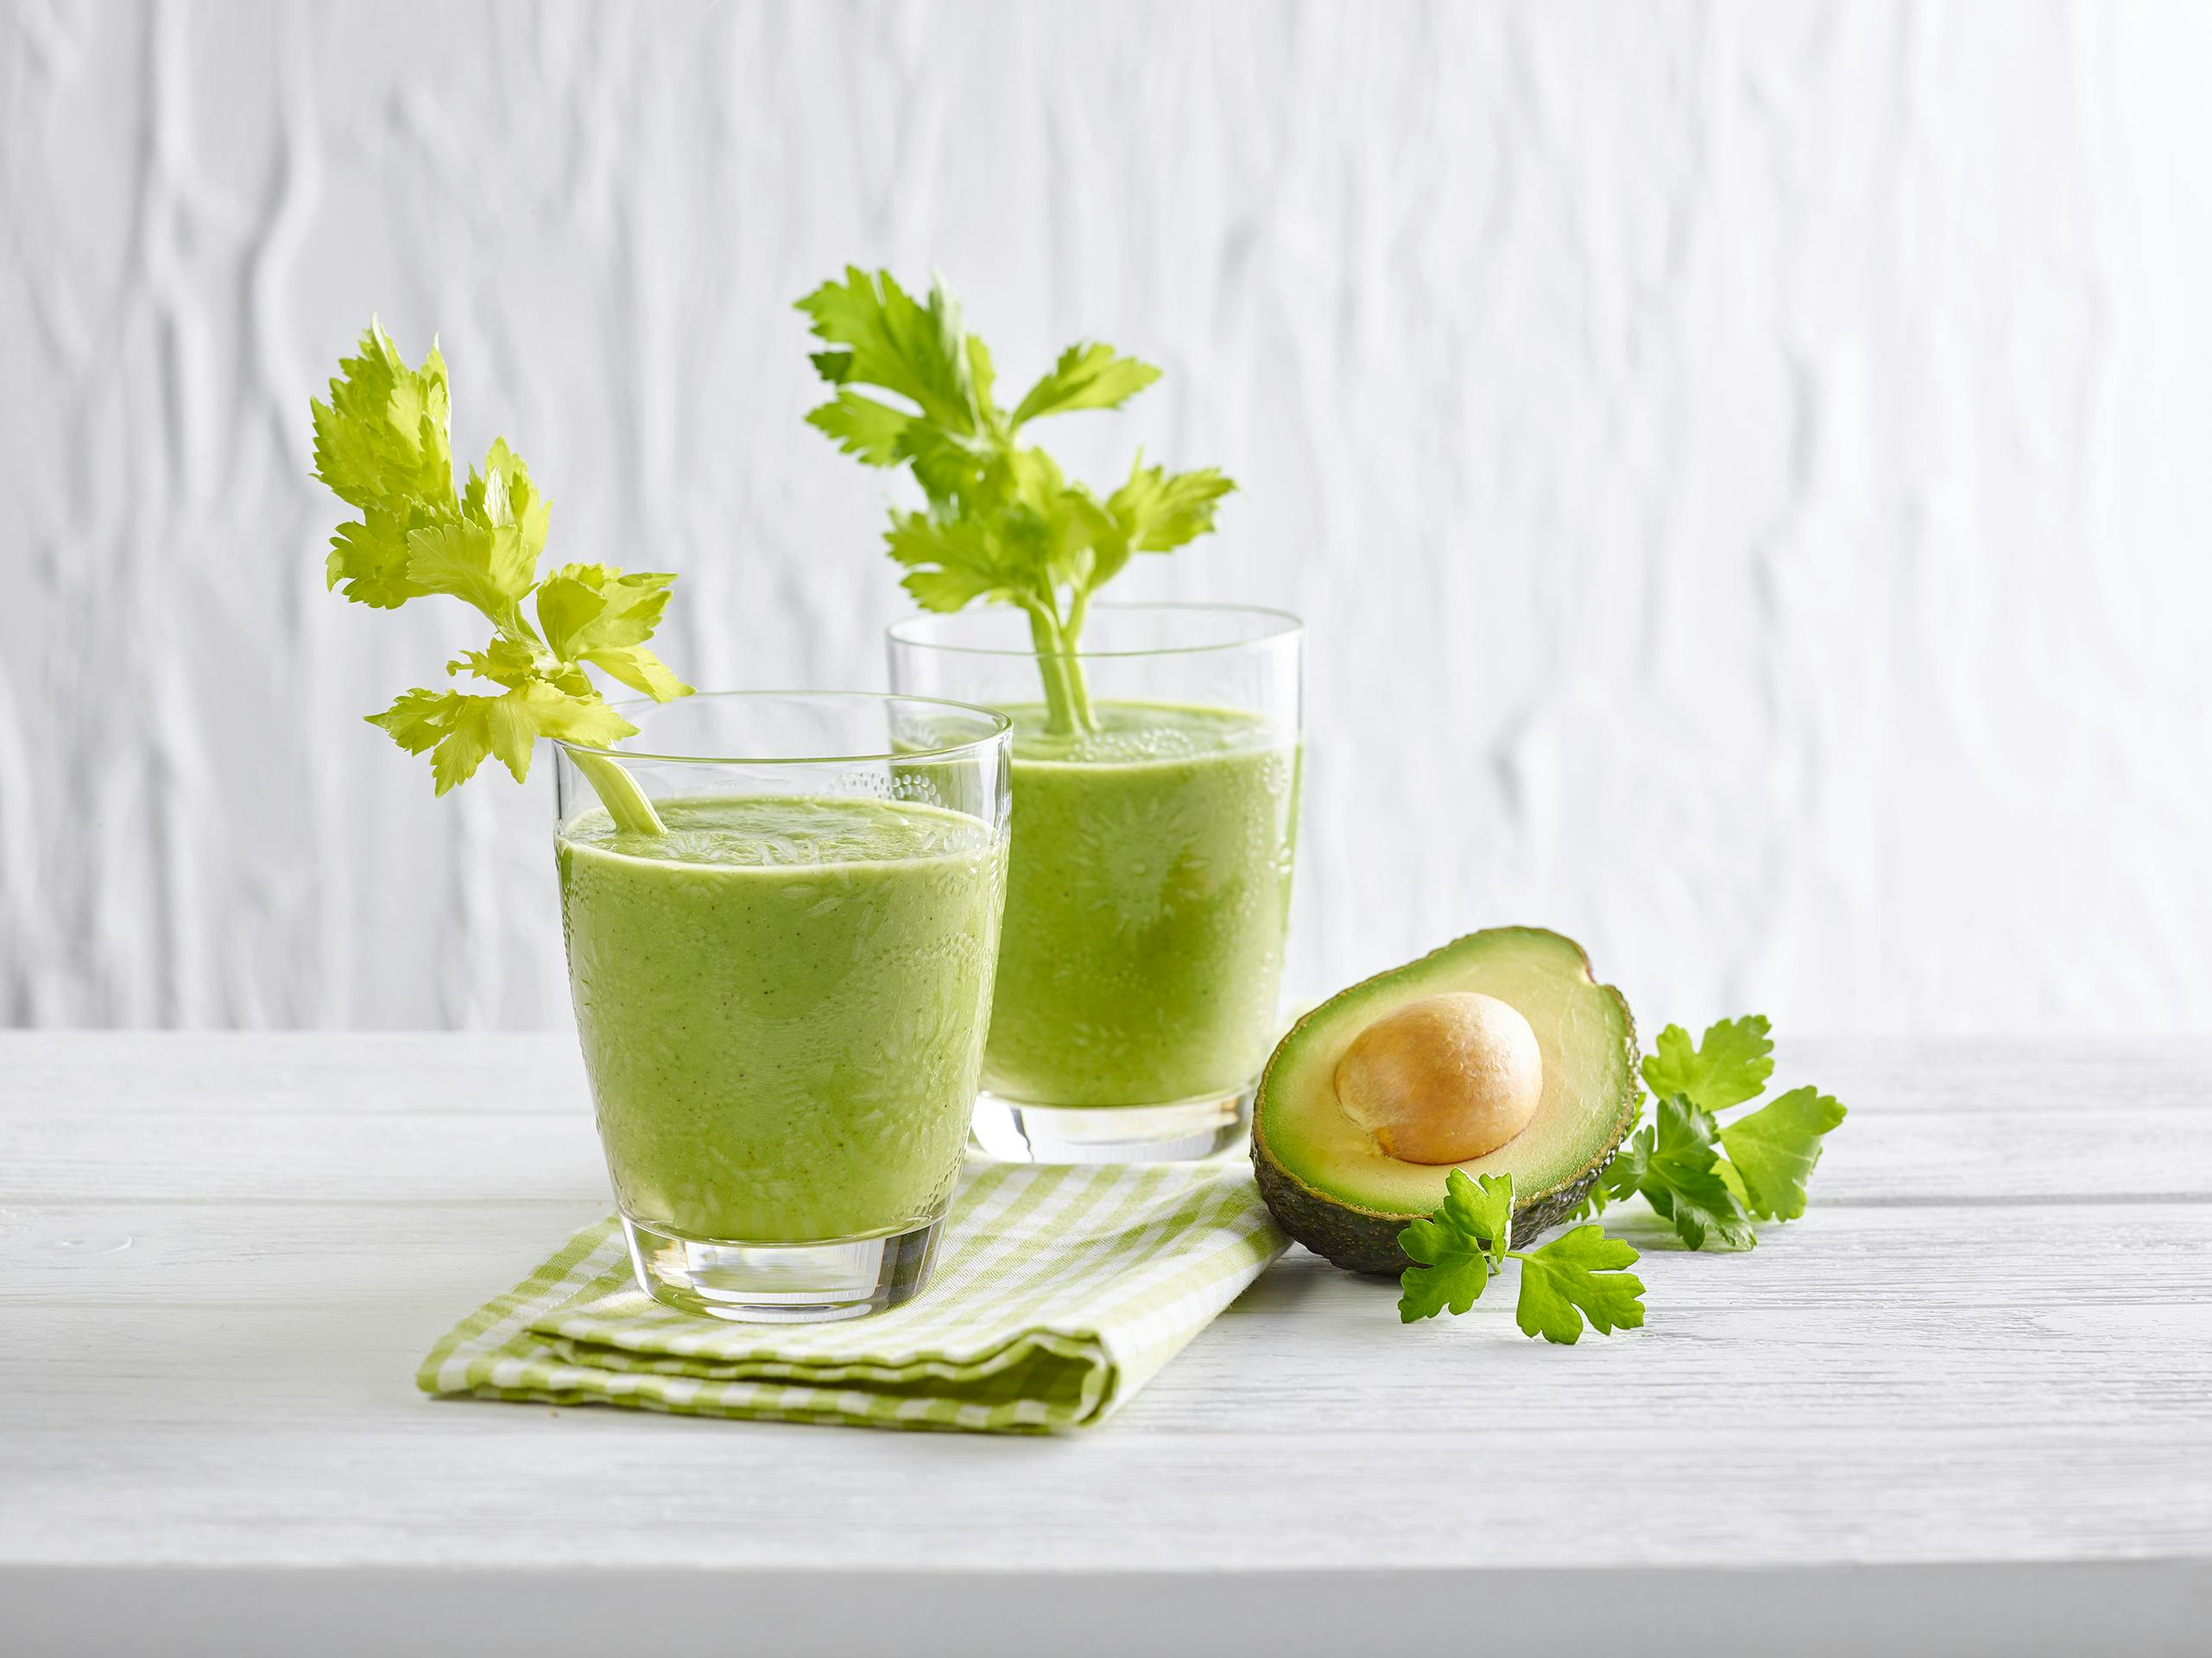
(1964, 1405)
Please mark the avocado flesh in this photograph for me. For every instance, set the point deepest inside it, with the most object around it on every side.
(1337, 1192)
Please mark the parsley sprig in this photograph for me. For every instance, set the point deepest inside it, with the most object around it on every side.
(382, 444)
(1579, 1276)
(1003, 523)
(1712, 1182)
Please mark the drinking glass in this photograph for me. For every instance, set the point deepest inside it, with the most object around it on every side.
(1155, 810)
(782, 915)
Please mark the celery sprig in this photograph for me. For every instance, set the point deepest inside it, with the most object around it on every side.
(382, 444)
(1003, 523)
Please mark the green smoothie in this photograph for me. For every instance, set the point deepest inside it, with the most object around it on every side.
(782, 1004)
(1147, 899)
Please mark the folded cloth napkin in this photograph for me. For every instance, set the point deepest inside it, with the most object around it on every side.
(1059, 1291)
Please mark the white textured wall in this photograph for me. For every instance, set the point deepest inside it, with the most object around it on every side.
(1745, 464)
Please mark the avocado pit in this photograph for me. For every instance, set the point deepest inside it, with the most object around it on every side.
(1443, 1077)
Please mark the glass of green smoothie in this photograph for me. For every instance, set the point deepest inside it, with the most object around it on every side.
(783, 989)
(1155, 809)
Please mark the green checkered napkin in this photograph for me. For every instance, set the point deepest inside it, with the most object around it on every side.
(1060, 1290)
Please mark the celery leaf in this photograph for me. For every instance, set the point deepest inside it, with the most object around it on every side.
(382, 438)
(1087, 376)
(863, 427)
(887, 338)
(950, 563)
(369, 556)
(1160, 511)
(491, 569)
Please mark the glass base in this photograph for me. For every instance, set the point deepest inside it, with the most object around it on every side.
(1015, 1132)
(782, 1283)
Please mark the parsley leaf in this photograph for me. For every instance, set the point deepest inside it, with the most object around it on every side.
(1622, 1177)
(383, 445)
(1003, 524)
(1459, 1247)
(1680, 1178)
(1774, 1149)
(1576, 1276)
(1731, 1066)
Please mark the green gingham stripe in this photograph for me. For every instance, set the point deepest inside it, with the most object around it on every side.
(1059, 1291)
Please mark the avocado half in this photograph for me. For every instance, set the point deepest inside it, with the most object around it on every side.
(1339, 1194)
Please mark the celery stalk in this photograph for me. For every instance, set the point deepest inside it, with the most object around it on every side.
(619, 792)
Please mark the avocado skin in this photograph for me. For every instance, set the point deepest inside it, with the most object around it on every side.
(1359, 1240)
(1366, 1240)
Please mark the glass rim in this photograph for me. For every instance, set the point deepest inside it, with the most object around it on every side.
(1001, 732)
(1287, 625)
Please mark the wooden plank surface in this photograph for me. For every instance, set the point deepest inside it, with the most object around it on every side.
(1985, 1355)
